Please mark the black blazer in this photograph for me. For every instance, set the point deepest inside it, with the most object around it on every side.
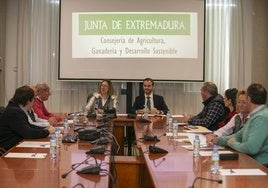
(14, 127)
(159, 103)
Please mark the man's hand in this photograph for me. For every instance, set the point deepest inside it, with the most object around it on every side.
(230, 141)
(51, 129)
(52, 121)
(185, 118)
(211, 139)
(100, 111)
(63, 115)
(154, 111)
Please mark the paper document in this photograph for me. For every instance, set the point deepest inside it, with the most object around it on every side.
(179, 134)
(121, 115)
(242, 172)
(196, 129)
(182, 124)
(205, 147)
(202, 138)
(33, 144)
(208, 153)
(177, 116)
(26, 155)
(182, 140)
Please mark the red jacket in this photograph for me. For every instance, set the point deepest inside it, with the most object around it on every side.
(41, 111)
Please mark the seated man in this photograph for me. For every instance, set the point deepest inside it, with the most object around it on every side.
(237, 121)
(214, 110)
(14, 125)
(155, 104)
(252, 139)
(33, 118)
(43, 93)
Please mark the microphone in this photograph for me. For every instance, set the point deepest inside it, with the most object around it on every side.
(91, 169)
(155, 149)
(102, 140)
(96, 150)
(153, 138)
(207, 179)
(64, 175)
(150, 138)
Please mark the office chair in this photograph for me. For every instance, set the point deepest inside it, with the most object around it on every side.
(2, 151)
(89, 96)
(2, 108)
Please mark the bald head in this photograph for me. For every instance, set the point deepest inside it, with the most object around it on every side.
(42, 86)
(43, 91)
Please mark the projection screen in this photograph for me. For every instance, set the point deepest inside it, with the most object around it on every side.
(130, 40)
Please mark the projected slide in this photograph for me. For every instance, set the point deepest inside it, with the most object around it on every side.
(139, 34)
(128, 40)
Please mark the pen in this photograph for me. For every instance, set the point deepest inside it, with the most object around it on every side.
(44, 145)
(212, 143)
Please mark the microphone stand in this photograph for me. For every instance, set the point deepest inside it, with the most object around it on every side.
(64, 175)
(207, 179)
(155, 149)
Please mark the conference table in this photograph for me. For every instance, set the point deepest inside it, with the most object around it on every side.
(177, 168)
(46, 172)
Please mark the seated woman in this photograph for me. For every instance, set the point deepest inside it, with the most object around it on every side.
(14, 125)
(236, 123)
(230, 103)
(103, 100)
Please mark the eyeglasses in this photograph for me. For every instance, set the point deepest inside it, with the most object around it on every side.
(104, 86)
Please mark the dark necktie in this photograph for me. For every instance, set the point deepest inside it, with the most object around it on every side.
(148, 103)
(31, 114)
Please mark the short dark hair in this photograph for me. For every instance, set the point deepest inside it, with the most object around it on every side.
(23, 95)
(149, 79)
(257, 93)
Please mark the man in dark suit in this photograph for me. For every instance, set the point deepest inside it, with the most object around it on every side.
(150, 102)
(14, 125)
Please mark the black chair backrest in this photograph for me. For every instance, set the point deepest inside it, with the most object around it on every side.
(89, 97)
(2, 108)
(2, 151)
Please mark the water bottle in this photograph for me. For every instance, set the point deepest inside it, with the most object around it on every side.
(170, 124)
(53, 147)
(168, 116)
(196, 146)
(146, 112)
(58, 137)
(85, 113)
(175, 130)
(65, 126)
(75, 119)
(214, 168)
